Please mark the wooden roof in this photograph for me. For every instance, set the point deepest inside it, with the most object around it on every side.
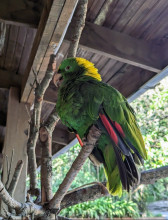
(126, 39)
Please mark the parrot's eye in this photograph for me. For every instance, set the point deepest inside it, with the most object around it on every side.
(67, 68)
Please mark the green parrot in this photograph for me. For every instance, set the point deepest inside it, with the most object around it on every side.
(84, 100)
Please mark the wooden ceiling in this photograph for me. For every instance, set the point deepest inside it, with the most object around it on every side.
(126, 39)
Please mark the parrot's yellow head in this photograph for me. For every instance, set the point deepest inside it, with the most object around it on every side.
(77, 67)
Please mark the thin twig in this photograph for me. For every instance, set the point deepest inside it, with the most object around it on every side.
(7, 167)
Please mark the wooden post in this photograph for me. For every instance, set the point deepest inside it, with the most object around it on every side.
(15, 138)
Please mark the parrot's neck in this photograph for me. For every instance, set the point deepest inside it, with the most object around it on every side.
(92, 72)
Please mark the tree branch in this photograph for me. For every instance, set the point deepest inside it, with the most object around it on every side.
(84, 194)
(78, 23)
(46, 161)
(151, 176)
(35, 122)
(92, 137)
(15, 177)
(103, 12)
(24, 209)
(97, 190)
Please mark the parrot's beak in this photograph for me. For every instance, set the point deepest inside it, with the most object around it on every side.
(57, 79)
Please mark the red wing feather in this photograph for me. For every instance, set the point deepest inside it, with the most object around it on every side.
(109, 128)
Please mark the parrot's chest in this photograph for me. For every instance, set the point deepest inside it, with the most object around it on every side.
(72, 109)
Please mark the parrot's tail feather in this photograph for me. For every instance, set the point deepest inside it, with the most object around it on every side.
(96, 157)
(135, 151)
(132, 170)
(129, 174)
(122, 169)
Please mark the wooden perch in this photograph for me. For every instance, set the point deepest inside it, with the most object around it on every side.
(92, 137)
(150, 176)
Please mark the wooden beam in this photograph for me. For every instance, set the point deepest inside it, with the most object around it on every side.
(9, 21)
(120, 46)
(17, 123)
(61, 136)
(54, 21)
(149, 85)
(8, 79)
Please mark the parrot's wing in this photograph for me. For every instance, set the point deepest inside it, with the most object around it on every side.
(116, 108)
(123, 117)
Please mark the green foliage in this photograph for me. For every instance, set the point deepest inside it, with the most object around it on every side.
(152, 115)
(102, 208)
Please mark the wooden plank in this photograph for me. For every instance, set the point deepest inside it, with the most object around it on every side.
(107, 67)
(53, 23)
(8, 79)
(151, 20)
(112, 71)
(27, 47)
(2, 57)
(141, 14)
(22, 33)
(61, 136)
(150, 84)
(120, 47)
(11, 47)
(17, 123)
(129, 78)
(114, 16)
(128, 13)
(159, 27)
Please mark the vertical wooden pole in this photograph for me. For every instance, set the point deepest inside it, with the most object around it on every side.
(15, 138)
